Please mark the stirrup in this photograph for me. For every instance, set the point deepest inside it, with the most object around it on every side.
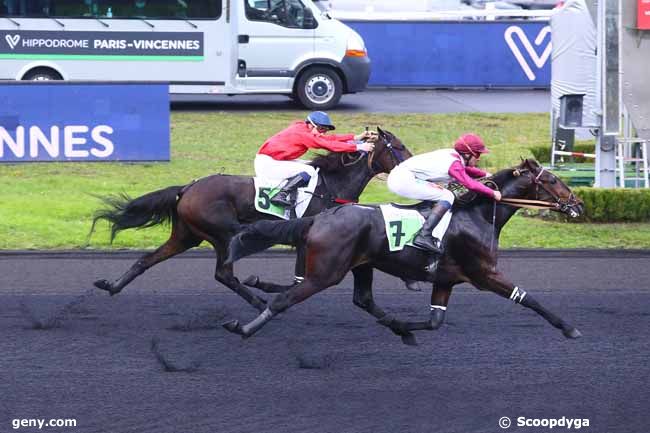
(433, 247)
(281, 201)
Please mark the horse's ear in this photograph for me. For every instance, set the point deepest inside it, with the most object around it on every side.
(524, 162)
(380, 132)
(532, 165)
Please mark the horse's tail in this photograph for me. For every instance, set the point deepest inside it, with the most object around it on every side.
(264, 234)
(149, 210)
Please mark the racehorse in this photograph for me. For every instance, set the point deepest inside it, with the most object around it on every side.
(212, 209)
(353, 237)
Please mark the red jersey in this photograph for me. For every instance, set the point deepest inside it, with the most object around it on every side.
(294, 141)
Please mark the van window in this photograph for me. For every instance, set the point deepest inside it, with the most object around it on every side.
(286, 13)
(149, 9)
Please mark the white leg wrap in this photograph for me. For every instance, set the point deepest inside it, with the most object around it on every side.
(438, 307)
(517, 295)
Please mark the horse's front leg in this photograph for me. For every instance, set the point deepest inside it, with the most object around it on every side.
(224, 274)
(495, 282)
(439, 300)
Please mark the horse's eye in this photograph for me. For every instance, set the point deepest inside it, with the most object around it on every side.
(553, 181)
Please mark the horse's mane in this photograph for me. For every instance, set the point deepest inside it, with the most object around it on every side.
(502, 176)
(330, 162)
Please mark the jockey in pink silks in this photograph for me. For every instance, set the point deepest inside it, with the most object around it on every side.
(424, 177)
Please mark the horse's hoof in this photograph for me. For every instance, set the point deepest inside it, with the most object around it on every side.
(413, 286)
(233, 326)
(409, 339)
(106, 285)
(251, 281)
(572, 333)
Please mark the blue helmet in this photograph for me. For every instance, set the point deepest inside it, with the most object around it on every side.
(320, 118)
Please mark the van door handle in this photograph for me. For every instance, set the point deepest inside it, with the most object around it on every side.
(243, 39)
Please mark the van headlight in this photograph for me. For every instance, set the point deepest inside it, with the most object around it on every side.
(355, 46)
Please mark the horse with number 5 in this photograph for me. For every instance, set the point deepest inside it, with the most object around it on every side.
(356, 238)
(213, 208)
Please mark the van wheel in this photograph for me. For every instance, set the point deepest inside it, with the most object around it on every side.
(42, 74)
(319, 88)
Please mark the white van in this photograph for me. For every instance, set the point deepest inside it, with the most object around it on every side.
(197, 46)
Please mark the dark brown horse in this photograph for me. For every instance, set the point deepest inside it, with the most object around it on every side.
(354, 238)
(213, 208)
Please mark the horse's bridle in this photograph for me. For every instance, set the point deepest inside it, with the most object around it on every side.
(394, 154)
(562, 205)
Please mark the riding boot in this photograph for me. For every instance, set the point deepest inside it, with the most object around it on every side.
(424, 238)
(284, 196)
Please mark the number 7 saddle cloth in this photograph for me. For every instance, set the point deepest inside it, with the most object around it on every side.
(402, 224)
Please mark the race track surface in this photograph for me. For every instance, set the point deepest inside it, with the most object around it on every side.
(155, 358)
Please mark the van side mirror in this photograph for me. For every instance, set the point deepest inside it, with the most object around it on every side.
(309, 22)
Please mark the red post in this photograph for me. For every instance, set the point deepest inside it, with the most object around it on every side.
(643, 14)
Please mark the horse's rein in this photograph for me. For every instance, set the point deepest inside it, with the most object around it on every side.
(529, 204)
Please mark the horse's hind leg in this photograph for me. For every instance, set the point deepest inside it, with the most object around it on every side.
(317, 277)
(497, 283)
(281, 302)
(181, 240)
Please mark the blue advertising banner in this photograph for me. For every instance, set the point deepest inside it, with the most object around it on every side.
(458, 53)
(84, 122)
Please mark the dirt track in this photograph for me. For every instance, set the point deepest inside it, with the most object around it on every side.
(324, 366)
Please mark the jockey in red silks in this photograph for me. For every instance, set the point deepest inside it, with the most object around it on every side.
(424, 177)
(276, 159)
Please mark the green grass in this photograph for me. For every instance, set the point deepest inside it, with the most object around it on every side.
(49, 205)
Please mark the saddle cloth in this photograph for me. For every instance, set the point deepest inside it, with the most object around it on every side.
(265, 189)
(402, 225)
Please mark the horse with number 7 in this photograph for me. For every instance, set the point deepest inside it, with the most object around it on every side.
(354, 237)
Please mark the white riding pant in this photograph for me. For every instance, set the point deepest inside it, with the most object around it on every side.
(403, 182)
(272, 169)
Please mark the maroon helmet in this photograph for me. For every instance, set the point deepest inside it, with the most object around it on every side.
(470, 144)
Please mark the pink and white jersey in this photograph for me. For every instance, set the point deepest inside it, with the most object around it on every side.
(433, 166)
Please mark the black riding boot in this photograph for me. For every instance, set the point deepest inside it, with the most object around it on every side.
(283, 197)
(425, 239)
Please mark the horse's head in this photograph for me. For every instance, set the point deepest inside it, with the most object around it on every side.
(545, 186)
(389, 152)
